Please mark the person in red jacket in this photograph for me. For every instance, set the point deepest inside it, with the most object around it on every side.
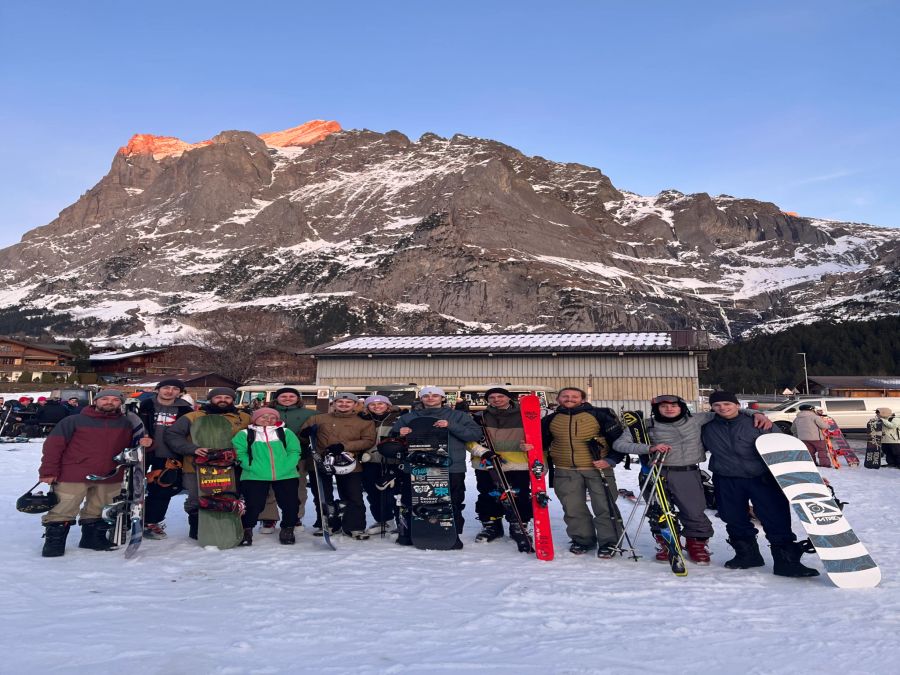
(80, 445)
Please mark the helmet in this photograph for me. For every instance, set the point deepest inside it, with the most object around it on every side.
(341, 464)
(37, 502)
(392, 448)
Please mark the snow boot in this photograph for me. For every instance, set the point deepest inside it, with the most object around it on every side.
(193, 520)
(787, 561)
(248, 537)
(748, 554)
(607, 551)
(491, 529)
(697, 550)
(93, 536)
(520, 536)
(155, 531)
(267, 526)
(662, 548)
(580, 549)
(286, 536)
(55, 539)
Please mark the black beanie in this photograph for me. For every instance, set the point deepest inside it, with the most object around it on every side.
(285, 390)
(171, 383)
(498, 390)
(723, 397)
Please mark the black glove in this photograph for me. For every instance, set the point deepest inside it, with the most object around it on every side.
(334, 449)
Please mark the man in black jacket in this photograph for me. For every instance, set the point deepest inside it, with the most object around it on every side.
(741, 476)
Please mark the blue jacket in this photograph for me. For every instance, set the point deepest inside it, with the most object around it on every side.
(461, 426)
(732, 446)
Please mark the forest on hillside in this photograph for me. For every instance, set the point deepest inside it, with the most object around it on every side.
(769, 363)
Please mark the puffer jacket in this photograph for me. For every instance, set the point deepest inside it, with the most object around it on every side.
(267, 458)
(732, 446)
(355, 434)
(568, 431)
(890, 429)
(808, 426)
(503, 429)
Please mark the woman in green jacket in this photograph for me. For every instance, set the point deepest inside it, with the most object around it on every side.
(268, 454)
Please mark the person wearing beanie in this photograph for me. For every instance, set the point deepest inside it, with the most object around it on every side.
(890, 438)
(157, 414)
(178, 439)
(461, 429)
(741, 477)
(379, 472)
(674, 430)
(338, 433)
(80, 445)
(810, 427)
(268, 454)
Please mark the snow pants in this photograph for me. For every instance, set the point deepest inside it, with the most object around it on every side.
(891, 452)
(733, 497)
(255, 492)
(71, 495)
(819, 452)
(350, 492)
(488, 505)
(270, 512)
(573, 487)
(685, 488)
(382, 503)
(157, 502)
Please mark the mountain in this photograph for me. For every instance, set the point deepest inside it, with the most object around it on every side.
(353, 231)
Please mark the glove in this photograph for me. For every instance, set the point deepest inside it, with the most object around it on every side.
(334, 449)
(484, 453)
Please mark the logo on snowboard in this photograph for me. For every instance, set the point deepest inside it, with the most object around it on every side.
(821, 511)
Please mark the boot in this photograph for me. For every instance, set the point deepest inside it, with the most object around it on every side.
(491, 529)
(93, 536)
(520, 536)
(55, 539)
(697, 550)
(286, 536)
(662, 548)
(787, 561)
(193, 520)
(248, 537)
(748, 554)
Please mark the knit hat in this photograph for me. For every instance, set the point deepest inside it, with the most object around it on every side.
(377, 398)
(431, 390)
(286, 390)
(256, 414)
(111, 392)
(42, 398)
(723, 397)
(498, 390)
(221, 391)
(172, 382)
(346, 395)
(807, 406)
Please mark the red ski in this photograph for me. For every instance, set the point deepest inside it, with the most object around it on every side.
(531, 422)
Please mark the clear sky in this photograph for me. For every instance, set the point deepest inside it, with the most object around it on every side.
(796, 102)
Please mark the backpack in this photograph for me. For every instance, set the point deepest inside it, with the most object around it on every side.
(251, 436)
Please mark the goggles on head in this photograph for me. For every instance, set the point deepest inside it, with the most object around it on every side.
(667, 398)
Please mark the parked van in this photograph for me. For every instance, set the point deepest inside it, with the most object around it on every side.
(851, 414)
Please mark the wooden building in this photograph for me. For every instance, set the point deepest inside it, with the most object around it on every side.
(856, 386)
(616, 369)
(17, 357)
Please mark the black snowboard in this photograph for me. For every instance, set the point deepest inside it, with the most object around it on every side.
(431, 511)
(873, 444)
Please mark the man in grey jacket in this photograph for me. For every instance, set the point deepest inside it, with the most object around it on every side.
(810, 428)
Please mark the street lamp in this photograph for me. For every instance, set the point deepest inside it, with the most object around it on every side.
(805, 373)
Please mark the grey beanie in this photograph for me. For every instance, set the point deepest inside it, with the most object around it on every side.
(346, 395)
(110, 392)
(222, 391)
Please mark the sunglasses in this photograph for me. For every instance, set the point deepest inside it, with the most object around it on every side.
(666, 398)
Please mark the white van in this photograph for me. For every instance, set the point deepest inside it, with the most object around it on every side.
(851, 414)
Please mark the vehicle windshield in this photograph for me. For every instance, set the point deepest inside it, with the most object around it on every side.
(782, 406)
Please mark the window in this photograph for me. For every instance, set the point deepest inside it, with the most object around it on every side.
(846, 406)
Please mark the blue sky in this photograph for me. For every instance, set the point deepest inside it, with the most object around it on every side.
(792, 102)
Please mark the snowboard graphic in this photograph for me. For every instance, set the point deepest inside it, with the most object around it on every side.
(216, 479)
(847, 562)
(873, 444)
(431, 512)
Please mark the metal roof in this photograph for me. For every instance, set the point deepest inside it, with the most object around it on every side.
(119, 356)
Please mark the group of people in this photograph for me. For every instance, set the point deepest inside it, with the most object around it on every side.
(275, 445)
(811, 427)
(29, 417)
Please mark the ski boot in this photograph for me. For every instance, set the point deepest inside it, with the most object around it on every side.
(155, 531)
(491, 529)
(248, 537)
(580, 549)
(359, 535)
(787, 561)
(93, 536)
(55, 539)
(286, 536)
(379, 528)
(520, 536)
(697, 550)
(748, 554)
(662, 548)
(607, 551)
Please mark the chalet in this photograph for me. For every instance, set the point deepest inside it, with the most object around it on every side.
(18, 357)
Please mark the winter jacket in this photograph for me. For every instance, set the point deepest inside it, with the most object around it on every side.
(355, 434)
(683, 436)
(504, 433)
(383, 424)
(267, 458)
(890, 429)
(51, 413)
(732, 446)
(808, 426)
(86, 444)
(461, 427)
(157, 418)
(567, 433)
(178, 436)
(293, 417)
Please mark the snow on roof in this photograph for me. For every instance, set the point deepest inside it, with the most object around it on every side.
(123, 355)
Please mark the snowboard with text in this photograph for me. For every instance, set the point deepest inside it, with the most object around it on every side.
(432, 525)
(531, 422)
(217, 484)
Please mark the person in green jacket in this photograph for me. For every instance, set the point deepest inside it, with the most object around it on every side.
(268, 454)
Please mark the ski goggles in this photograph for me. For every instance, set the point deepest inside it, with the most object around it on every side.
(666, 398)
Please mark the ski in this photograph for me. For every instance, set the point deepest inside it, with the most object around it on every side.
(325, 510)
(530, 406)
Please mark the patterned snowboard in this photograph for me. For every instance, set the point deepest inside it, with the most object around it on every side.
(432, 526)
(847, 562)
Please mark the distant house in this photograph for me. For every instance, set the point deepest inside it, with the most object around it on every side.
(124, 365)
(853, 386)
(18, 357)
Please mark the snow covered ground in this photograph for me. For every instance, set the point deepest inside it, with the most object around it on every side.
(374, 607)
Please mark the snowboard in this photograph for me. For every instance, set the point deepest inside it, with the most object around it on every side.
(847, 562)
(873, 444)
(216, 479)
(126, 513)
(839, 443)
(432, 525)
(530, 406)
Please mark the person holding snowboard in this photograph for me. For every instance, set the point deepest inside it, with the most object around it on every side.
(740, 476)
(890, 439)
(268, 454)
(810, 427)
(379, 472)
(80, 445)
(178, 439)
(158, 413)
(461, 429)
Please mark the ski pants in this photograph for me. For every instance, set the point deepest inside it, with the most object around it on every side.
(488, 506)
(685, 489)
(350, 492)
(255, 492)
(573, 488)
(270, 512)
(71, 495)
(819, 452)
(733, 497)
(192, 501)
(382, 503)
(891, 452)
